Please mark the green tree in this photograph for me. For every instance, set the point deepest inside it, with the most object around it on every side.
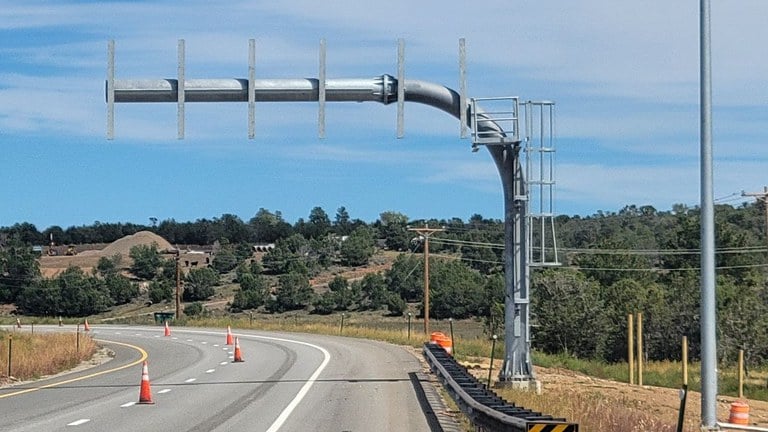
(374, 291)
(82, 295)
(146, 261)
(456, 291)
(358, 248)
(342, 225)
(342, 293)
(268, 227)
(393, 227)
(406, 277)
(226, 258)
(199, 284)
(109, 266)
(160, 290)
(121, 290)
(252, 294)
(567, 313)
(194, 309)
(18, 269)
(293, 292)
(41, 297)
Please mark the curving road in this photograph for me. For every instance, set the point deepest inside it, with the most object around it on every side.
(288, 382)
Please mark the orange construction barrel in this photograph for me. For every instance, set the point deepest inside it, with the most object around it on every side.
(739, 413)
(446, 343)
(435, 336)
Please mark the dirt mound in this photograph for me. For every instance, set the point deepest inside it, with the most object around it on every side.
(123, 246)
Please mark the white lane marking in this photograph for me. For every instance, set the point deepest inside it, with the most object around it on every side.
(118, 333)
(224, 363)
(304, 389)
(157, 336)
(189, 380)
(129, 404)
(78, 422)
(137, 334)
(210, 371)
(174, 338)
(203, 342)
(189, 340)
(225, 348)
(163, 391)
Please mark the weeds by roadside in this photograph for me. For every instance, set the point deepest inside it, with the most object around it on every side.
(41, 354)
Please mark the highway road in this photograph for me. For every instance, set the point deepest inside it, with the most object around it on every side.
(288, 382)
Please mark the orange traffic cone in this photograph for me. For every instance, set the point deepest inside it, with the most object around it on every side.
(167, 329)
(229, 336)
(145, 395)
(238, 354)
(18, 323)
(86, 326)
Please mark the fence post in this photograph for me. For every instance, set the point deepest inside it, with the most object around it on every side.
(640, 348)
(631, 348)
(741, 374)
(409, 326)
(453, 342)
(490, 368)
(10, 349)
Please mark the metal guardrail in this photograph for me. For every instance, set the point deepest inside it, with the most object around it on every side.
(485, 409)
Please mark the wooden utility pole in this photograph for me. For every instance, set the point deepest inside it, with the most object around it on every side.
(426, 232)
(762, 196)
(178, 285)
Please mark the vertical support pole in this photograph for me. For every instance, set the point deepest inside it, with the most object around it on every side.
(453, 341)
(321, 93)
(178, 285)
(409, 326)
(708, 302)
(10, 350)
(490, 367)
(639, 348)
(685, 360)
(741, 374)
(181, 91)
(400, 87)
(251, 88)
(77, 343)
(631, 348)
(463, 87)
(111, 90)
(426, 285)
(341, 328)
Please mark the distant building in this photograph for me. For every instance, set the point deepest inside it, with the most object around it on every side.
(263, 247)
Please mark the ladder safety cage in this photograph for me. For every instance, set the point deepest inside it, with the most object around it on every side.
(539, 149)
(495, 121)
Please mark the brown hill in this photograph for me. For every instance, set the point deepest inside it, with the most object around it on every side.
(51, 266)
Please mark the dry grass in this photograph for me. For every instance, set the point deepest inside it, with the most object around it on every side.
(41, 354)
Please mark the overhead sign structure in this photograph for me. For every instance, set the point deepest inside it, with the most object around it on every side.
(498, 129)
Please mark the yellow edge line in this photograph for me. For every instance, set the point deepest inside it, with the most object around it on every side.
(144, 356)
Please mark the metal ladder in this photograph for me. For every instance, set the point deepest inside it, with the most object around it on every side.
(540, 182)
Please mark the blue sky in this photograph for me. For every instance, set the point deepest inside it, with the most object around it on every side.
(624, 76)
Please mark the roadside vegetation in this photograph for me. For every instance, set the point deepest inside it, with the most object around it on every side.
(41, 354)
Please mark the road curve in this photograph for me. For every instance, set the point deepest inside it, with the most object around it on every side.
(288, 382)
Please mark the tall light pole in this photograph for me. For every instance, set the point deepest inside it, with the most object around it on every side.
(708, 305)
(426, 232)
